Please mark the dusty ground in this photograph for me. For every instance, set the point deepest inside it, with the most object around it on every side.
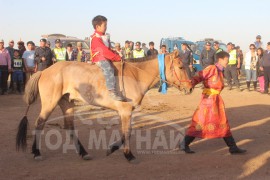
(248, 113)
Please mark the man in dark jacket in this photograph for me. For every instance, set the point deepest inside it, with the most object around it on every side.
(207, 56)
(43, 56)
(187, 59)
(152, 51)
(266, 68)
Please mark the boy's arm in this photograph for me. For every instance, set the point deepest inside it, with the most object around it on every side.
(203, 75)
(106, 52)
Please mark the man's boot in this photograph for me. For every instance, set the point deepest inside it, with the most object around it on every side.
(15, 87)
(229, 86)
(233, 149)
(113, 94)
(255, 85)
(21, 87)
(184, 145)
(248, 85)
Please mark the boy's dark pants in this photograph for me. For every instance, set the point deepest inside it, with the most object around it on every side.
(4, 78)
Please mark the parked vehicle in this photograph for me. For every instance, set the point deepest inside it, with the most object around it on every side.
(68, 40)
(176, 42)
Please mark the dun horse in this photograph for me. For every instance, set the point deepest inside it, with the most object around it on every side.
(65, 82)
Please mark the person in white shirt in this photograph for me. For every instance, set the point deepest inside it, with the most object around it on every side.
(251, 60)
(69, 52)
(29, 60)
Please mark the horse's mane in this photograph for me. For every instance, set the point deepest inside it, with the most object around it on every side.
(135, 60)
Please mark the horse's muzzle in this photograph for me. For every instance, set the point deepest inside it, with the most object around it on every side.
(188, 91)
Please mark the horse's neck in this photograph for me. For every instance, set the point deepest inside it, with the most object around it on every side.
(147, 72)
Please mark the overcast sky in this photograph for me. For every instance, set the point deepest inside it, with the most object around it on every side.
(238, 21)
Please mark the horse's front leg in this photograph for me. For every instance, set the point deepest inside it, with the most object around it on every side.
(125, 115)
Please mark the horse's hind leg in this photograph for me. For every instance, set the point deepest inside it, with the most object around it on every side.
(67, 108)
(46, 110)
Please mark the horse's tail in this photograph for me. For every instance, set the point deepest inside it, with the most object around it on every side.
(31, 89)
(31, 93)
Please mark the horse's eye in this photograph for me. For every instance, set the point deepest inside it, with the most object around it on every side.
(180, 67)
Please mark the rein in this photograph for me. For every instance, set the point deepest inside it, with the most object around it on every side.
(174, 72)
(172, 84)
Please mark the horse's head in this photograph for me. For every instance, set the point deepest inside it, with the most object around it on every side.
(176, 72)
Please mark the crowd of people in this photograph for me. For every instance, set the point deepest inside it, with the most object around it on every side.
(22, 62)
(256, 64)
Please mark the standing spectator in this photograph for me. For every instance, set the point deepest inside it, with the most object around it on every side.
(216, 47)
(59, 52)
(11, 49)
(266, 68)
(118, 49)
(29, 60)
(78, 54)
(241, 56)
(231, 69)
(138, 52)
(21, 47)
(258, 43)
(48, 44)
(43, 56)
(260, 72)
(5, 67)
(152, 51)
(127, 52)
(131, 45)
(144, 48)
(207, 56)
(17, 71)
(251, 60)
(69, 52)
(187, 59)
(163, 49)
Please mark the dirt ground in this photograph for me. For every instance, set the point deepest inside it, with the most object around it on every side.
(159, 115)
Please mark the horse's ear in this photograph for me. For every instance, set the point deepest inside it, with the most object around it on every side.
(175, 54)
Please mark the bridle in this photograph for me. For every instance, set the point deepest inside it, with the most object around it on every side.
(172, 68)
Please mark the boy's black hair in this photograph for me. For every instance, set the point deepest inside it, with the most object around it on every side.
(31, 42)
(151, 43)
(98, 20)
(222, 55)
(253, 45)
(163, 45)
(69, 45)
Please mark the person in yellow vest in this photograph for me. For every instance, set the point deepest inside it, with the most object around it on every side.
(59, 52)
(138, 52)
(231, 70)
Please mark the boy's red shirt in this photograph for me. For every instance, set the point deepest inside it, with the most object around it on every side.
(100, 51)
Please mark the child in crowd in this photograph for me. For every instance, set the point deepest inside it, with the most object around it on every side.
(17, 71)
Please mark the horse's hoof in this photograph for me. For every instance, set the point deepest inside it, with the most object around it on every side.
(38, 158)
(109, 152)
(86, 157)
(134, 161)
